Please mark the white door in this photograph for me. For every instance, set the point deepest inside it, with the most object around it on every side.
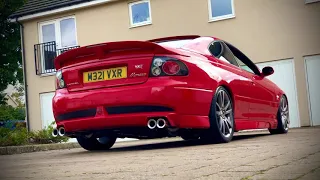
(313, 85)
(46, 109)
(284, 77)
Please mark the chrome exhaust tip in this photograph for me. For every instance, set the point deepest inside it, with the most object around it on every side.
(152, 124)
(161, 123)
(61, 131)
(55, 132)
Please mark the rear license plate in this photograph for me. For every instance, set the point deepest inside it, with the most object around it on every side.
(105, 74)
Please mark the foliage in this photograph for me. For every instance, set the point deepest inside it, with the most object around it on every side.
(10, 113)
(20, 136)
(10, 47)
(17, 96)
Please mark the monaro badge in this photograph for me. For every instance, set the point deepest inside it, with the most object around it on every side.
(138, 74)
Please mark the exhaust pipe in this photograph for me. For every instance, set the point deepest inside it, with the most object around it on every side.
(152, 124)
(161, 123)
(61, 131)
(55, 132)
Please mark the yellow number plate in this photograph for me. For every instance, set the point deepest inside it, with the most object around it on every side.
(105, 74)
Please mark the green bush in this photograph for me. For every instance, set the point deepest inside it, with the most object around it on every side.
(20, 136)
(10, 113)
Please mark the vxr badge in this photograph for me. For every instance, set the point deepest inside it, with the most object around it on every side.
(139, 66)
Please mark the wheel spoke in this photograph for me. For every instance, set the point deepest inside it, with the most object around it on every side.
(228, 104)
(223, 96)
(228, 127)
(221, 99)
(218, 106)
(218, 113)
(229, 121)
(223, 127)
(221, 124)
(228, 111)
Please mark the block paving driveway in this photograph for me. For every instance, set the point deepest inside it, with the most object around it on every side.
(257, 155)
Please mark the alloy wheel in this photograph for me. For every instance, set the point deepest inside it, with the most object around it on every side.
(284, 113)
(224, 113)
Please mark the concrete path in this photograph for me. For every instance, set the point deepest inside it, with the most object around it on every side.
(253, 155)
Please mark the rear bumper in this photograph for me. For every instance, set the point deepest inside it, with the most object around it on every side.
(132, 106)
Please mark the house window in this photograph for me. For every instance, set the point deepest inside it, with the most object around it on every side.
(140, 13)
(221, 9)
(55, 37)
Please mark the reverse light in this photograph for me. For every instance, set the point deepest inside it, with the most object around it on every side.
(167, 66)
(60, 84)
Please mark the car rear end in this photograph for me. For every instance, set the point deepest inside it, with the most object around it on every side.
(128, 84)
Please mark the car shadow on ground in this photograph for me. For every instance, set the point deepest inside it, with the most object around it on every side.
(171, 145)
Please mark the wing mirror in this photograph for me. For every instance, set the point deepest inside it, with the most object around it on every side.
(267, 71)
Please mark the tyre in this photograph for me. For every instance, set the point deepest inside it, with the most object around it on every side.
(221, 118)
(282, 117)
(92, 144)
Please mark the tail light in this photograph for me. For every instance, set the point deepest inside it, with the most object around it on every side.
(167, 66)
(60, 84)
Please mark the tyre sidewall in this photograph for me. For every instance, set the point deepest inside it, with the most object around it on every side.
(214, 125)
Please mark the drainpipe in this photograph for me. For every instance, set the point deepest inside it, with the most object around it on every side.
(24, 73)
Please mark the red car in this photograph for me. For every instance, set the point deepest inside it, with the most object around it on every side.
(192, 86)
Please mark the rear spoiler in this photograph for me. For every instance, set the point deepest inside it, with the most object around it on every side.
(103, 50)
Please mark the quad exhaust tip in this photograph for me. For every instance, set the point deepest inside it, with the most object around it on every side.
(152, 124)
(55, 132)
(58, 132)
(159, 123)
(61, 131)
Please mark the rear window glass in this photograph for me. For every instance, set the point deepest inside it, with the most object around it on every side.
(175, 43)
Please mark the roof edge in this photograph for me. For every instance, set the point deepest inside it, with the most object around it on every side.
(59, 10)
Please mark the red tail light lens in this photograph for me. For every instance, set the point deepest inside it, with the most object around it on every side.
(171, 67)
(167, 66)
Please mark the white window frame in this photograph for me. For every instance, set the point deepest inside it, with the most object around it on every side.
(56, 23)
(219, 18)
(130, 14)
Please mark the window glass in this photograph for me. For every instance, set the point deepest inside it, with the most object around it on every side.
(244, 62)
(221, 8)
(243, 66)
(175, 43)
(222, 52)
(140, 13)
(48, 33)
(68, 32)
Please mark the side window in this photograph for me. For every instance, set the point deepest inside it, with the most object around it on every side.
(244, 66)
(244, 62)
(221, 51)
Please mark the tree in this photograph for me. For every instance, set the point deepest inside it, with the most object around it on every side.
(18, 95)
(10, 47)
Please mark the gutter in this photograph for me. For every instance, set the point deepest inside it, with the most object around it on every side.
(24, 73)
(55, 10)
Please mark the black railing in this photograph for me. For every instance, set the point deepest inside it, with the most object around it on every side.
(44, 55)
